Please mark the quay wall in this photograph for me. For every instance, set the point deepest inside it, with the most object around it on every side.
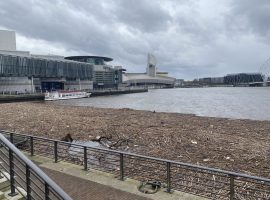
(116, 92)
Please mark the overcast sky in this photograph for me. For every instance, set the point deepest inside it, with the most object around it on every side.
(190, 38)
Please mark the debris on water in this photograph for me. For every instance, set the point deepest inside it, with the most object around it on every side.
(88, 143)
(164, 135)
(206, 160)
(149, 187)
(67, 138)
(194, 142)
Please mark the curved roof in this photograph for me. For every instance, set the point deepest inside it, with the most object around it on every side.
(106, 59)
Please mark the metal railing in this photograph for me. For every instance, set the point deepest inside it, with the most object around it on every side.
(23, 173)
(202, 181)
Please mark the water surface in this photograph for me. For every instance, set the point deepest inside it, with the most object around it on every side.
(229, 102)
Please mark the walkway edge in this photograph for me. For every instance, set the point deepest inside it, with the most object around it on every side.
(129, 185)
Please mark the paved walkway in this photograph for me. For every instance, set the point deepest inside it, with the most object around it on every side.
(80, 189)
(97, 185)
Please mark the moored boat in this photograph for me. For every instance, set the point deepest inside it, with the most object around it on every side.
(64, 95)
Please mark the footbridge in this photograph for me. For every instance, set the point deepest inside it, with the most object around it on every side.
(264, 70)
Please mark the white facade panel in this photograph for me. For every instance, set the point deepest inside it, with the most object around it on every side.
(7, 40)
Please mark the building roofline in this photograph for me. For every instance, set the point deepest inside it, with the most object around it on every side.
(106, 59)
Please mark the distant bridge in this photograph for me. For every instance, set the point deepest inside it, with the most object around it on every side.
(259, 84)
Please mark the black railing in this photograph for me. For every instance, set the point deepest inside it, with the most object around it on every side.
(202, 181)
(24, 176)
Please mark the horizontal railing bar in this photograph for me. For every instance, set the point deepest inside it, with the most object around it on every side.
(35, 184)
(19, 161)
(18, 176)
(207, 186)
(151, 158)
(197, 177)
(143, 170)
(198, 189)
(20, 169)
(6, 170)
(38, 195)
(34, 168)
(4, 155)
(4, 162)
(102, 164)
(16, 182)
(131, 159)
(239, 188)
(215, 182)
(253, 195)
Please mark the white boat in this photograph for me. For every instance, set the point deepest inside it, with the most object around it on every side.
(64, 95)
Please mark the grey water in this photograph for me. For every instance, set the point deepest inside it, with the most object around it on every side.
(94, 157)
(227, 102)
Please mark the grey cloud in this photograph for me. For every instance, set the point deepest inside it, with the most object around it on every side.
(255, 15)
(146, 16)
(189, 38)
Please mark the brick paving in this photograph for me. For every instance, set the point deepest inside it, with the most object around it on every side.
(80, 189)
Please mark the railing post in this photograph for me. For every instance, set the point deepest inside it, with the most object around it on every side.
(12, 174)
(232, 191)
(55, 152)
(11, 139)
(168, 177)
(121, 166)
(47, 192)
(85, 158)
(31, 145)
(28, 182)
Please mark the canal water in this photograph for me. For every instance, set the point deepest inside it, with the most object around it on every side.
(228, 102)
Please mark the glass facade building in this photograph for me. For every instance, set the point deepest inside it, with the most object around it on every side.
(241, 78)
(45, 73)
(19, 66)
(34, 74)
(104, 76)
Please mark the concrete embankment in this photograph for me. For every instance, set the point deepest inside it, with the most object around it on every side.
(21, 97)
(33, 97)
(115, 92)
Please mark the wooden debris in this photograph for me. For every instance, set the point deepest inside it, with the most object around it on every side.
(238, 145)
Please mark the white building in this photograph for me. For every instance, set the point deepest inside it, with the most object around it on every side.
(152, 78)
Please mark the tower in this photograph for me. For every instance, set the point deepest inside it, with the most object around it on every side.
(151, 65)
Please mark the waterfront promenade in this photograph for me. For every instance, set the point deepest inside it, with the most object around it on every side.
(5, 98)
(97, 185)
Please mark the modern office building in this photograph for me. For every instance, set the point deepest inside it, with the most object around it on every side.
(242, 78)
(152, 78)
(25, 74)
(179, 83)
(104, 75)
(211, 80)
(22, 72)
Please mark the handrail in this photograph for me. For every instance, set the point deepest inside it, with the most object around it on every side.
(230, 173)
(35, 169)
